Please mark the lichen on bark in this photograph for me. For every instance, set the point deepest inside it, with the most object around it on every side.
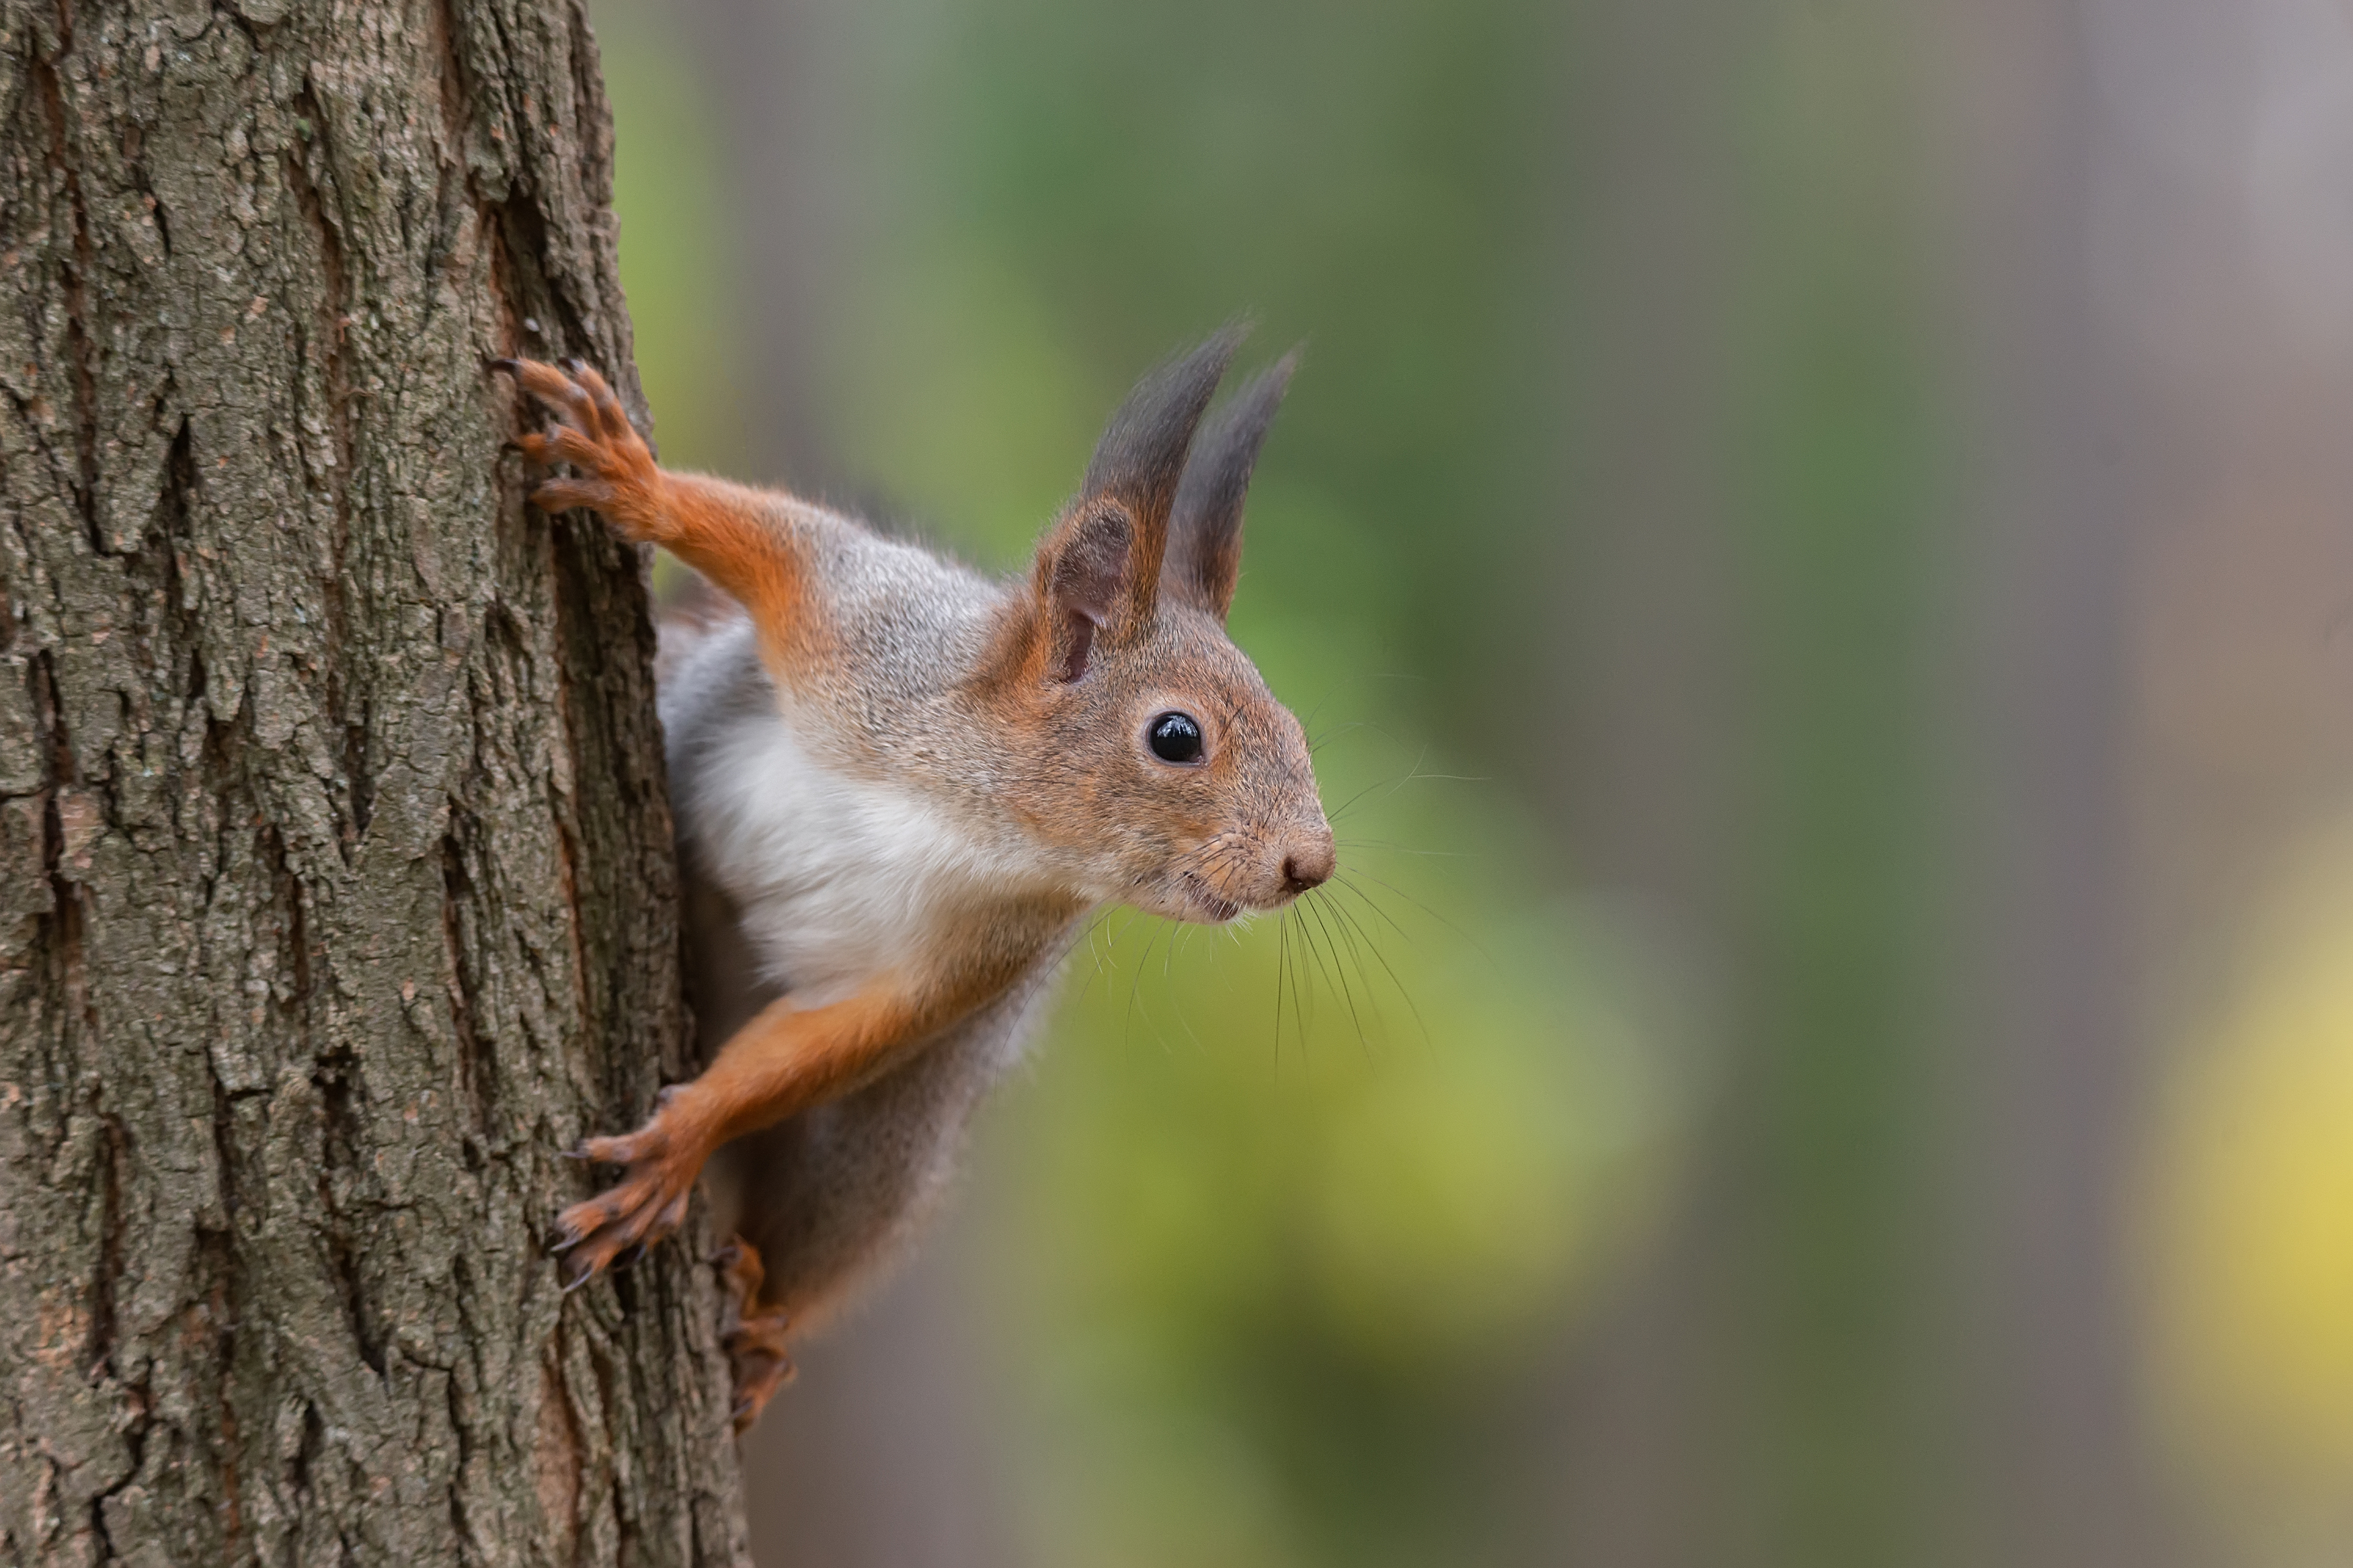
(335, 884)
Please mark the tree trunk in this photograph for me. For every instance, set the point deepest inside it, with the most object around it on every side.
(335, 882)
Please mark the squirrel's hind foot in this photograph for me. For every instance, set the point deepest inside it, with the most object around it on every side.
(754, 1340)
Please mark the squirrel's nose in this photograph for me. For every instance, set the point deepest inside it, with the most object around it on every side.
(1308, 863)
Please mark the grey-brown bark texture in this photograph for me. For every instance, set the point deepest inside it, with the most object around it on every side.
(335, 891)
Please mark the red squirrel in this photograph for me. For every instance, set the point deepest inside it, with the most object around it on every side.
(901, 790)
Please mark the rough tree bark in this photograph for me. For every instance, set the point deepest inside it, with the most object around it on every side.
(336, 890)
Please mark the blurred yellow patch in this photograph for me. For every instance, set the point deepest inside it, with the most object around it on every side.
(1463, 1186)
(2251, 1230)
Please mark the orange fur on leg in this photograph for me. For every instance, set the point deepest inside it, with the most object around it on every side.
(785, 1059)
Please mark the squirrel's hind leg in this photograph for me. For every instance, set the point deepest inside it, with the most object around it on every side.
(752, 1332)
(825, 1197)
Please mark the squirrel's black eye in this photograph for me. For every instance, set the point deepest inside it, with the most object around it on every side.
(1175, 738)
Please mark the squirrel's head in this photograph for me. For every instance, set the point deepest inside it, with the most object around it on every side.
(1161, 769)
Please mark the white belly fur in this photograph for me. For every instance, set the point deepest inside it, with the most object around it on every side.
(839, 879)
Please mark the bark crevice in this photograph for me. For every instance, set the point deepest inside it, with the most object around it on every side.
(76, 280)
(335, 884)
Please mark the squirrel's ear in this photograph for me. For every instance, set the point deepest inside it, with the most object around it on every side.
(1140, 460)
(1083, 569)
(1205, 529)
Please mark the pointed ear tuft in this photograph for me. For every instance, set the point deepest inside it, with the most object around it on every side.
(1140, 460)
(1205, 529)
(1083, 572)
(1142, 451)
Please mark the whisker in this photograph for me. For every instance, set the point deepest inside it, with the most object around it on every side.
(1378, 957)
(1433, 914)
(1317, 743)
(1307, 936)
(1383, 732)
(1281, 963)
(1347, 804)
(1349, 883)
(1095, 927)
(1391, 785)
(1336, 974)
(1337, 923)
(1368, 956)
(1127, 1018)
(1412, 775)
(1302, 994)
(1392, 846)
(1176, 993)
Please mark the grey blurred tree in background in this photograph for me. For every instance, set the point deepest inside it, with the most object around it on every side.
(1863, 486)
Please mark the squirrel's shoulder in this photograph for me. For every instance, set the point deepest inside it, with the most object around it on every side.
(906, 625)
(891, 600)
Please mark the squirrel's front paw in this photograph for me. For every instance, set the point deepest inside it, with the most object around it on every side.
(615, 470)
(616, 1226)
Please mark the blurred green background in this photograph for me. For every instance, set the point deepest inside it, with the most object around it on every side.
(1808, 542)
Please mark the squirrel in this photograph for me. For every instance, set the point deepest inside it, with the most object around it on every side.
(901, 790)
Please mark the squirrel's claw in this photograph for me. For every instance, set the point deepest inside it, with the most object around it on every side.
(613, 1229)
(614, 472)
